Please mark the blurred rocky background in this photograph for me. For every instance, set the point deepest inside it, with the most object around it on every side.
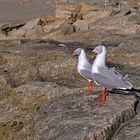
(41, 92)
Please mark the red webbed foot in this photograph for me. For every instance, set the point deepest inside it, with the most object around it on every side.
(102, 99)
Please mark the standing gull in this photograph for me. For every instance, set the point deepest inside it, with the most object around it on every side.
(106, 77)
(84, 67)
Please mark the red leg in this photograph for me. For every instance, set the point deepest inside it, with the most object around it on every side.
(90, 86)
(103, 98)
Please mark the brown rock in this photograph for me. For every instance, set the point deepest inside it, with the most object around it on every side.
(38, 92)
(96, 15)
(81, 25)
(4, 87)
(52, 71)
(34, 33)
(63, 11)
(129, 130)
(30, 30)
(53, 26)
(67, 29)
(72, 12)
(2, 36)
(32, 23)
(53, 35)
(138, 30)
(5, 28)
(17, 34)
(83, 117)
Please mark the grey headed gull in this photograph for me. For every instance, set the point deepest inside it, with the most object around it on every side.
(84, 67)
(106, 77)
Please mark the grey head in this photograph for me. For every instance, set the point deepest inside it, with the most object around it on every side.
(77, 51)
(99, 49)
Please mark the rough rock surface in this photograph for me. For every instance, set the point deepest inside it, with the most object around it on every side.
(42, 98)
(82, 117)
(40, 89)
(129, 130)
(90, 19)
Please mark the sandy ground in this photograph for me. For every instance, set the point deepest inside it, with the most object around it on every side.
(17, 11)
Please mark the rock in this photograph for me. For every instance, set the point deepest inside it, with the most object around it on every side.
(30, 30)
(44, 91)
(53, 26)
(2, 36)
(63, 11)
(23, 76)
(32, 23)
(9, 27)
(72, 11)
(4, 87)
(49, 71)
(53, 35)
(67, 29)
(48, 20)
(96, 15)
(17, 34)
(130, 130)
(41, 94)
(134, 18)
(81, 25)
(83, 117)
(138, 30)
(34, 33)
(3, 60)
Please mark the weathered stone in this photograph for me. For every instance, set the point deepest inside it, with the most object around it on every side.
(130, 130)
(95, 15)
(34, 33)
(138, 30)
(4, 87)
(32, 23)
(67, 29)
(64, 11)
(54, 26)
(2, 36)
(81, 25)
(17, 34)
(8, 27)
(54, 35)
(46, 72)
(39, 92)
(83, 117)
(72, 12)
(40, 88)
(30, 30)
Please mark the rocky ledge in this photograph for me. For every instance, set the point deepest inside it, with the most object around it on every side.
(42, 97)
(81, 117)
(40, 89)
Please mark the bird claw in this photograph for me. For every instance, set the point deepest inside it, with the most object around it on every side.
(102, 99)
